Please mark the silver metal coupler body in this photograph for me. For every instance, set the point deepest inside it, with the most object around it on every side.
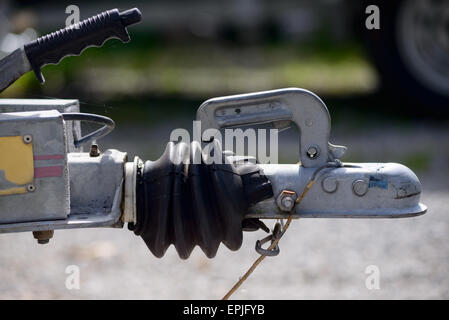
(356, 190)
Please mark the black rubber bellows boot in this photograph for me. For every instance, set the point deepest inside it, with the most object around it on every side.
(188, 198)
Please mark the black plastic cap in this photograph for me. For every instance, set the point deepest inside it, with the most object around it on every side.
(130, 17)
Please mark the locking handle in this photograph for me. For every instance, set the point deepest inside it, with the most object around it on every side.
(92, 32)
(281, 108)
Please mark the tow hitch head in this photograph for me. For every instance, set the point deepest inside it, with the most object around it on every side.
(350, 190)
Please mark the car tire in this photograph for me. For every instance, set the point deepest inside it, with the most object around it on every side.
(411, 52)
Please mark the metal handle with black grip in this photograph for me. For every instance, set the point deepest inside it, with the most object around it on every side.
(92, 32)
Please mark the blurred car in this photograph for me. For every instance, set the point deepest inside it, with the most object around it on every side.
(411, 49)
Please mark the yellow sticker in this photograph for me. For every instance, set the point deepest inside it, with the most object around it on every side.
(16, 164)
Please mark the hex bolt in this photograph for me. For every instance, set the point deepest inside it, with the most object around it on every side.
(312, 152)
(360, 187)
(94, 150)
(286, 200)
(43, 237)
(27, 138)
(330, 184)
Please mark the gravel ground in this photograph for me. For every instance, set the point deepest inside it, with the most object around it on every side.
(320, 259)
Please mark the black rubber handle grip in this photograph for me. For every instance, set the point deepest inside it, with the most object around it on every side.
(92, 32)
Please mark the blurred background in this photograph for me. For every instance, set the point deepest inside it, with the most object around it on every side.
(388, 94)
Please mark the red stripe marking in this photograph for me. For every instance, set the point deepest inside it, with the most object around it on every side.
(49, 157)
(45, 172)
